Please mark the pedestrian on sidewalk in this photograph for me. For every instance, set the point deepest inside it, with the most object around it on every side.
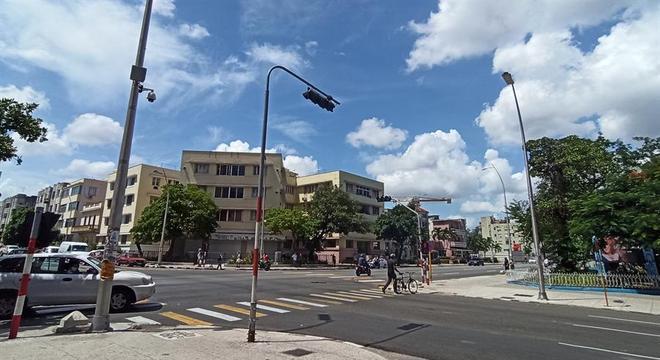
(334, 260)
(391, 273)
(294, 259)
(199, 257)
(506, 264)
(220, 261)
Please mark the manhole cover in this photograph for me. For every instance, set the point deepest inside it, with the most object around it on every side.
(523, 295)
(410, 326)
(297, 352)
(176, 335)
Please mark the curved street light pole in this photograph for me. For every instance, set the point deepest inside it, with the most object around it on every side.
(530, 193)
(326, 103)
(506, 210)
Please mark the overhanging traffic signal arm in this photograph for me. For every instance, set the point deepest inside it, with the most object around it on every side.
(384, 198)
(318, 99)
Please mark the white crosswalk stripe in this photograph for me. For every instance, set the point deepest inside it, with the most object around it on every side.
(333, 297)
(264, 307)
(302, 302)
(142, 320)
(214, 314)
(364, 294)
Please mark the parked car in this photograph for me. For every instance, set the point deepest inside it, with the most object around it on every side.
(73, 247)
(16, 251)
(51, 249)
(130, 260)
(66, 279)
(475, 260)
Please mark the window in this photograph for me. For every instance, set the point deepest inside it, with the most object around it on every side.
(129, 200)
(375, 245)
(91, 191)
(106, 220)
(231, 170)
(290, 189)
(253, 215)
(112, 185)
(349, 244)
(72, 206)
(131, 180)
(375, 210)
(221, 169)
(12, 265)
(236, 193)
(230, 215)
(229, 192)
(365, 209)
(255, 192)
(155, 181)
(123, 239)
(329, 243)
(255, 170)
(45, 265)
(108, 203)
(76, 190)
(201, 168)
(350, 188)
(70, 222)
(61, 210)
(172, 182)
(126, 218)
(362, 191)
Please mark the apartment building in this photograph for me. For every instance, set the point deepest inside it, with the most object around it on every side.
(8, 205)
(50, 199)
(232, 179)
(498, 231)
(453, 248)
(144, 185)
(75, 202)
(361, 189)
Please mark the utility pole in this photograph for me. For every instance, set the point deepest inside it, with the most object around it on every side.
(101, 319)
(162, 231)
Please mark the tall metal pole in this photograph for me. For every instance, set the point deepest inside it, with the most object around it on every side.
(530, 192)
(162, 231)
(101, 319)
(506, 212)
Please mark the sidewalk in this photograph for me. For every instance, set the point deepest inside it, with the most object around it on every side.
(183, 266)
(495, 287)
(185, 344)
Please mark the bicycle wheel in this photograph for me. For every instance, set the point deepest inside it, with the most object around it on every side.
(413, 286)
(399, 287)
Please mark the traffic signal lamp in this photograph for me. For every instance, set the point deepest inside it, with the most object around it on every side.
(384, 198)
(45, 235)
(318, 99)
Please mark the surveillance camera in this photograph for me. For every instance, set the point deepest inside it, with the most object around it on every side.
(151, 96)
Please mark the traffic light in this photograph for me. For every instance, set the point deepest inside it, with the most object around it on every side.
(318, 99)
(384, 198)
(45, 235)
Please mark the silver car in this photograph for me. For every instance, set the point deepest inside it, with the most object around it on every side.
(65, 279)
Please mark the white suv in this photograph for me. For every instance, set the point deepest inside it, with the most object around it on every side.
(64, 279)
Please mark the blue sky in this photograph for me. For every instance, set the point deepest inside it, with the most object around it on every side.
(423, 106)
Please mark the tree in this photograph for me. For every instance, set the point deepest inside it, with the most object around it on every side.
(475, 242)
(191, 213)
(398, 224)
(16, 118)
(18, 228)
(296, 221)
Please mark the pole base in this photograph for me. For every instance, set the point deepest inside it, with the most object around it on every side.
(543, 295)
(101, 323)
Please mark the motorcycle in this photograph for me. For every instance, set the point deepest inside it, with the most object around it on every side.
(264, 265)
(362, 269)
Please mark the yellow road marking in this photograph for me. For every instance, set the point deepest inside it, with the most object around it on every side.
(237, 309)
(278, 303)
(349, 296)
(185, 319)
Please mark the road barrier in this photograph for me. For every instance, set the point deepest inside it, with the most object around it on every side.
(586, 280)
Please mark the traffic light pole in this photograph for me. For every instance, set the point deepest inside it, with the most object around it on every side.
(327, 103)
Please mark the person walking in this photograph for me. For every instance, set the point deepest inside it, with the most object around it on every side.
(506, 264)
(391, 273)
(334, 260)
(200, 254)
(220, 261)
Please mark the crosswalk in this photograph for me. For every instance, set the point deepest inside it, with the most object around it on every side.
(197, 316)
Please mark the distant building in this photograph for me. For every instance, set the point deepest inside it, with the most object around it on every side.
(456, 247)
(12, 203)
(50, 199)
(76, 200)
(498, 231)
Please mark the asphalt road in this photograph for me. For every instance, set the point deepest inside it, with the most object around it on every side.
(430, 326)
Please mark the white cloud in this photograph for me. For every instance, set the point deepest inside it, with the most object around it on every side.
(25, 94)
(297, 130)
(274, 54)
(467, 28)
(302, 165)
(193, 31)
(163, 7)
(311, 47)
(88, 129)
(375, 132)
(78, 168)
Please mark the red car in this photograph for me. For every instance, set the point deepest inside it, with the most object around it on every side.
(126, 259)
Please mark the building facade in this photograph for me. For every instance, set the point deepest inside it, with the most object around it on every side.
(361, 189)
(498, 231)
(144, 185)
(12, 203)
(74, 202)
(453, 248)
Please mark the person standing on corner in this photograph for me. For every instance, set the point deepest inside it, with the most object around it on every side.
(391, 273)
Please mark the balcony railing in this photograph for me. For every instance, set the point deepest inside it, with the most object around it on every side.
(85, 228)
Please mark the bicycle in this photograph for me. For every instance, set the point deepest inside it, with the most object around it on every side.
(411, 285)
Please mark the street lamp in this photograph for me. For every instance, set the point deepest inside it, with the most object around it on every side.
(101, 319)
(167, 206)
(506, 211)
(319, 98)
(530, 193)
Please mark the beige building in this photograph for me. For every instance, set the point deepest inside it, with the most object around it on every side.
(8, 205)
(75, 197)
(361, 189)
(498, 231)
(143, 186)
(232, 180)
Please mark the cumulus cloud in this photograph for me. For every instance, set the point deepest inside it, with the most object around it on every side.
(295, 129)
(163, 7)
(311, 47)
(244, 146)
(301, 165)
(274, 54)
(375, 132)
(78, 168)
(193, 31)
(85, 130)
(25, 94)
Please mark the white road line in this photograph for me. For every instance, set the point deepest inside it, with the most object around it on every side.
(264, 307)
(617, 330)
(342, 277)
(610, 351)
(302, 302)
(142, 320)
(441, 273)
(619, 319)
(214, 314)
(359, 293)
(371, 280)
(333, 297)
(317, 274)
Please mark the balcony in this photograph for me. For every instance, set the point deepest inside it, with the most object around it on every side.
(81, 229)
